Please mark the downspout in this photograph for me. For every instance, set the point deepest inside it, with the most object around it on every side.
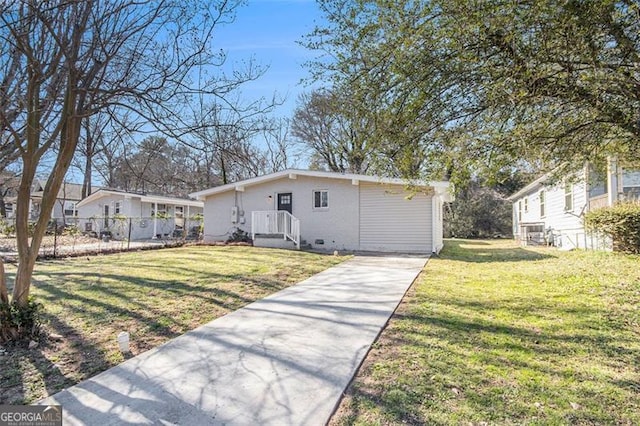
(434, 228)
(612, 180)
(155, 221)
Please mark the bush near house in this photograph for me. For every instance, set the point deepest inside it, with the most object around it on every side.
(621, 222)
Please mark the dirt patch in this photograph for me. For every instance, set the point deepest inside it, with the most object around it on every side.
(9, 244)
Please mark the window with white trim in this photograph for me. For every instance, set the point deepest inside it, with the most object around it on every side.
(162, 209)
(70, 209)
(320, 199)
(520, 211)
(116, 207)
(542, 203)
(568, 196)
(526, 204)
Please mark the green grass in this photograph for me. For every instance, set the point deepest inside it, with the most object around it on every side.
(492, 333)
(154, 295)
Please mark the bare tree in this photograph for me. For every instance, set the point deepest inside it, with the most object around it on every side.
(101, 135)
(329, 126)
(281, 151)
(61, 62)
(224, 138)
(9, 182)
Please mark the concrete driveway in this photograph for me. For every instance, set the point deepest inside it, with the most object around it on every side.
(284, 360)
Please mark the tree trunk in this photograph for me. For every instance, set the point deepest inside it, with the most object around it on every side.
(26, 259)
(223, 169)
(4, 294)
(86, 183)
(28, 253)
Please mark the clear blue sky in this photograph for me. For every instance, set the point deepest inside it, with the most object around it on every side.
(269, 30)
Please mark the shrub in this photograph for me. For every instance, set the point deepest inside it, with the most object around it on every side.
(621, 222)
(239, 236)
(20, 322)
(72, 230)
(6, 228)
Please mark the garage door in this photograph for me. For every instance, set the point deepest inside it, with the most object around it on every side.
(391, 222)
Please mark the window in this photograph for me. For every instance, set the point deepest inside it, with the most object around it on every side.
(321, 199)
(116, 207)
(542, 203)
(568, 196)
(70, 209)
(526, 205)
(179, 211)
(106, 216)
(162, 209)
(520, 211)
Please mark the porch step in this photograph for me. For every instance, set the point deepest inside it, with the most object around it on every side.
(272, 236)
(277, 241)
(271, 242)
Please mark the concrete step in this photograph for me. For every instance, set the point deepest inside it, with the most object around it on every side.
(278, 241)
(269, 236)
(274, 243)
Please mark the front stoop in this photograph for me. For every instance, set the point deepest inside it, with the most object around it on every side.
(273, 241)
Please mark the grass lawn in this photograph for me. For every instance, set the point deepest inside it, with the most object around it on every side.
(154, 295)
(496, 334)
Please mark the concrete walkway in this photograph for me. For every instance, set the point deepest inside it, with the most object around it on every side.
(284, 360)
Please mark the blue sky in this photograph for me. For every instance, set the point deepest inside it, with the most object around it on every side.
(269, 30)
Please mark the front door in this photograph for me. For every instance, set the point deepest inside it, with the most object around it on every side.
(285, 202)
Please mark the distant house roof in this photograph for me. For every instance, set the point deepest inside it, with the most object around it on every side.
(441, 187)
(103, 192)
(68, 191)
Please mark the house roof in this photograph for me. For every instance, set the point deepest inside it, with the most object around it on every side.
(441, 187)
(68, 191)
(101, 193)
(533, 186)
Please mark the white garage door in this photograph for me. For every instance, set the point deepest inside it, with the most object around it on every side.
(391, 222)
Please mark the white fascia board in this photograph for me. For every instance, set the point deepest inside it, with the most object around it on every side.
(170, 200)
(293, 174)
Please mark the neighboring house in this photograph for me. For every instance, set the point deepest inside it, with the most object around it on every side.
(329, 211)
(137, 216)
(64, 209)
(548, 212)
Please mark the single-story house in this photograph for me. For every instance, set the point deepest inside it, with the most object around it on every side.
(64, 210)
(550, 211)
(327, 210)
(137, 216)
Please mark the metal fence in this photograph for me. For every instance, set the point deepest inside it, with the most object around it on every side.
(77, 236)
(566, 239)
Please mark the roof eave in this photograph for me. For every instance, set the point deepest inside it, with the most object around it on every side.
(202, 195)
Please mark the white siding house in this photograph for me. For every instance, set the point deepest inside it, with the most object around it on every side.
(551, 212)
(64, 210)
(136, 216)
(328, 211)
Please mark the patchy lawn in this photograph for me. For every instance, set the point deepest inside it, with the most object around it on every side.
(495, 334)
(154, 295)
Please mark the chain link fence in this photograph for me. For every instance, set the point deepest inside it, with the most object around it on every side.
(95, 235)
